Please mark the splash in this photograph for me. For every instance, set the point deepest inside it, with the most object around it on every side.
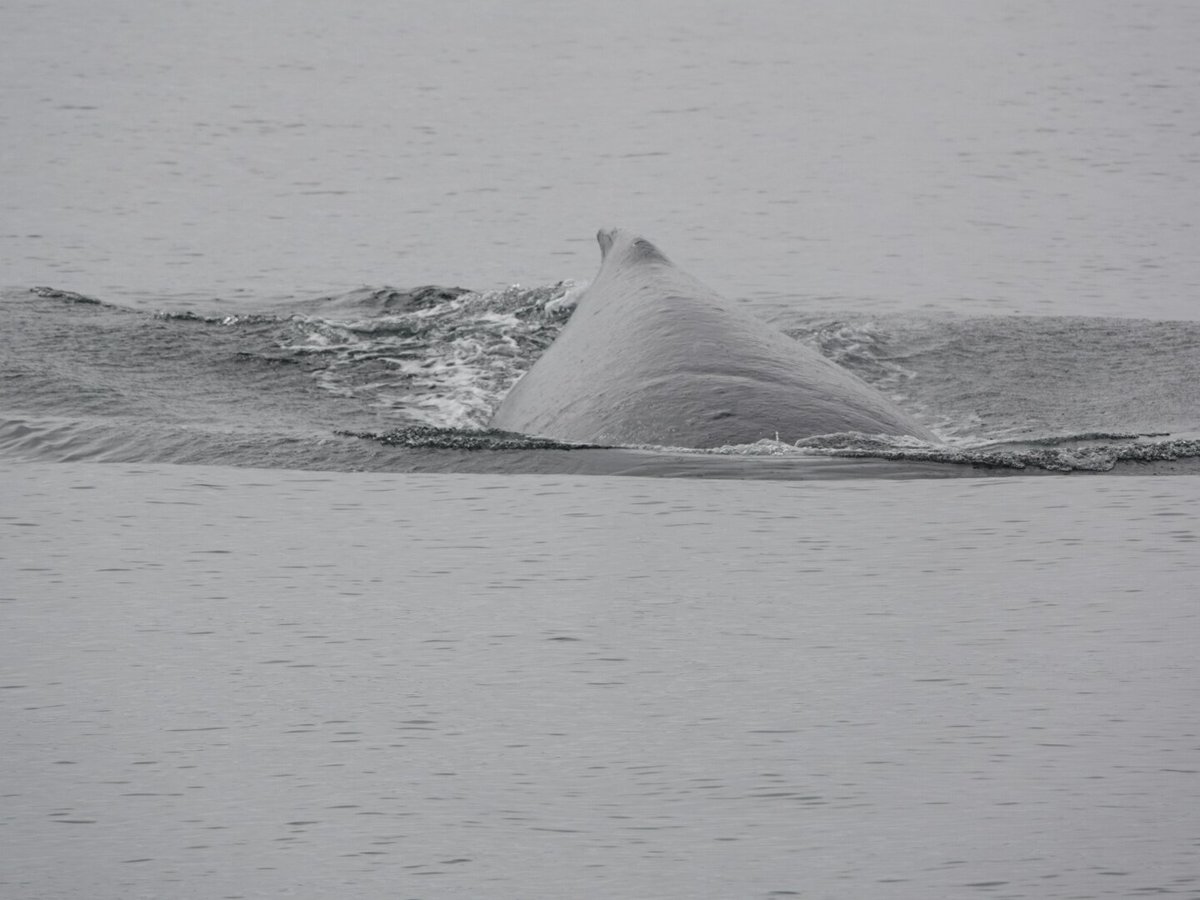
(443, 362)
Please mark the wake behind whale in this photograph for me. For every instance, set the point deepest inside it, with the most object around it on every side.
(653, 356)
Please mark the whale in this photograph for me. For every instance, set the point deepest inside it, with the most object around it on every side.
(652, 356)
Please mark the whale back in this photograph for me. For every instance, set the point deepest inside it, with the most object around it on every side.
(653, 356)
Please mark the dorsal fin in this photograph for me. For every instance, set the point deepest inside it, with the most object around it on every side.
(627, 245)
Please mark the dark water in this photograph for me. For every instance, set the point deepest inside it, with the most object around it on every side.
(405, 380)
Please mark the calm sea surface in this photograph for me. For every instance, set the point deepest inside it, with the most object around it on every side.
(982, 157)
(223, 682)
(239, 683)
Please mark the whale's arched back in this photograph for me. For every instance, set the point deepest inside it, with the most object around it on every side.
(653, 356)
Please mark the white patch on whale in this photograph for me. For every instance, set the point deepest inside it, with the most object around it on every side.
(653, 356)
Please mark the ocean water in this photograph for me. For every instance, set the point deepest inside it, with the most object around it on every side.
(311, 630)
(384, 379)
(255, 683)
(1024, 157)
(986, 212)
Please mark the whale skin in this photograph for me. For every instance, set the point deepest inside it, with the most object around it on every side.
(652, 356)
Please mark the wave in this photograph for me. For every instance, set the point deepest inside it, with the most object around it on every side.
(392, 379)
(1069, 453)
(438, 356)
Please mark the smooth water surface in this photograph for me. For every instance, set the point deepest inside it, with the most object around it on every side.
(1032, 157)
(239, 683)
